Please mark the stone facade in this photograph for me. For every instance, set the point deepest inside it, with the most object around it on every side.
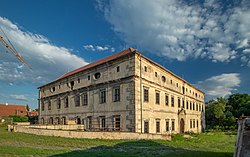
(123, 92)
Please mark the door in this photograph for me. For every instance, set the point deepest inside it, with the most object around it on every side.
(182, 126)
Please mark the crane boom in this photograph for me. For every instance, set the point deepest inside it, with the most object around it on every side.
(19, 57)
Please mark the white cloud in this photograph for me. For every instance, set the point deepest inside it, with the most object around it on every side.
(48, 61)
(220, 85)
(181, 29)
(98, 48)
(19, 97)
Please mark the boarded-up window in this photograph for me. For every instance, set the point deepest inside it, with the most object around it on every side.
(77, 100)
(146, 94)
(146, 127)
(167, 125)
(157, 97)
(158, 125)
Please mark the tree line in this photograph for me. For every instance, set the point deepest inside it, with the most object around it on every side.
(223, 113)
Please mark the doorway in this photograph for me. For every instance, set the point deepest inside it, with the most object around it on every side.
(182, 126)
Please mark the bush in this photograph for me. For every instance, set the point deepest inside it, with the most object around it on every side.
(17, 118)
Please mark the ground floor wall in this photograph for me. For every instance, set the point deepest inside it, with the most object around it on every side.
(170, 122)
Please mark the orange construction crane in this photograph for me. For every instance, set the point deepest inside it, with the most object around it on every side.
(12, 49)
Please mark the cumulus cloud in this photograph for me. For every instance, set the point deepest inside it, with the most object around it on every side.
(182, 29)
(220, 85)
(48, 61)
(98, 48)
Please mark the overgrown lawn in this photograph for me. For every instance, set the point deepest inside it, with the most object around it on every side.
(205, 145)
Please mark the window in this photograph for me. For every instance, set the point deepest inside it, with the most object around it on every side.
(78, 120)
(116, 94)
(146, 94)
(53, 89)
(197, 124)
(49, 105)
(72, 83)
(172, 101)
(171, 81)
(183, 103)
(187, 104)
(66, 102)
(88, 77)
(167, 125)
(196, 107)
(89, 118)
(193, 106)
(78, 80)
(191, 123)
(42, 104)
(155, 74)
(194, 123)
(173, 125)
(117, 122)
(157, 125)
(146, 127)
(97, 75)
(183, 90)
(77, 100)
(157, 97)
(102, 96)
(59, 86)
(190, 105)
(102, 122)
(84, 99)
(179, 102)
(58, 103)
(166, 100)
(176, 84)
(145, 68)
(117, 69)
(163, 78)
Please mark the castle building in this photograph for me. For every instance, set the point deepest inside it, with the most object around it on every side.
(123, 92)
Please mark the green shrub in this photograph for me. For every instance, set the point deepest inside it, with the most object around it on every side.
(17, 118)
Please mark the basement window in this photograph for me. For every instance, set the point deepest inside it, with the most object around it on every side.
(97, 75)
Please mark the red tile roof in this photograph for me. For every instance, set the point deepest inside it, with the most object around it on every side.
(93, 64)
(32, 113)
(11, 109)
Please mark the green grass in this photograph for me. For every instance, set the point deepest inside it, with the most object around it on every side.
(205, 145)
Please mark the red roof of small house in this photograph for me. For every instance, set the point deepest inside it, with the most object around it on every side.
(11, 109)
(93, 64)
(32, 113)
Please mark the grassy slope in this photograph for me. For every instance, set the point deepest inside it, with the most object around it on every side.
(20, 144)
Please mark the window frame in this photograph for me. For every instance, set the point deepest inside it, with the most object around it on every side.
(157, 97)
(116, 94)
(146, 94)
(103, 96)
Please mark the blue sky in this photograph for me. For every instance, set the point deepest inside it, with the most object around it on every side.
(205, 42)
